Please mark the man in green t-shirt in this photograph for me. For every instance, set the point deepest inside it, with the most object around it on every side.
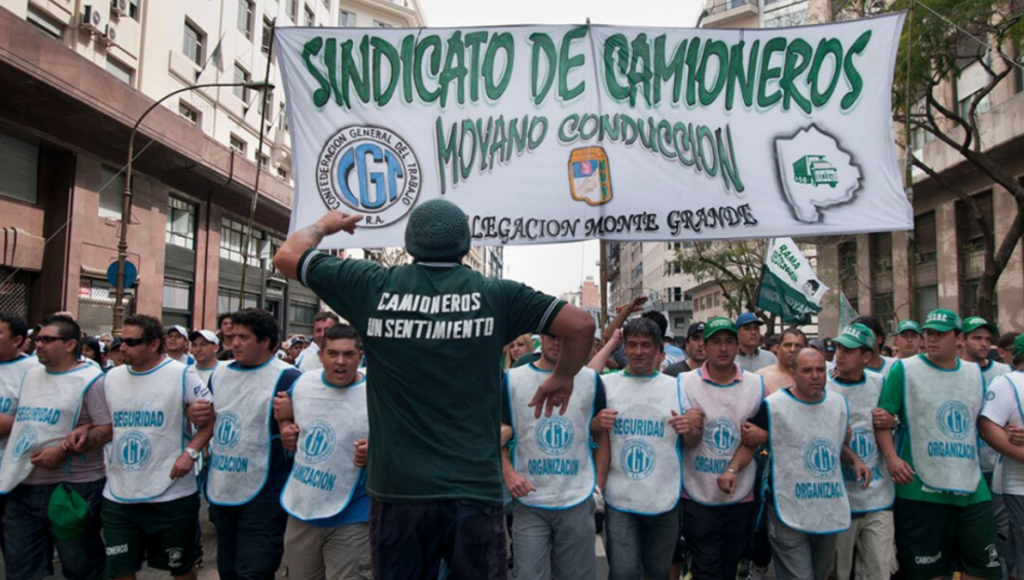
(432, 331)
(943, 509)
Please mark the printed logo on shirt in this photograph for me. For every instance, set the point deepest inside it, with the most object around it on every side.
(228, 430)
(134, 451)
(318, 441)
(993, 556)
(174, 557)
(554, 435)
(637, 459)
(990, 396)
(117, 550)
(370, 170)
(27, 439)
(721, 436)
(862, 441)
(925, 560)
(821, 458)
(954, 420)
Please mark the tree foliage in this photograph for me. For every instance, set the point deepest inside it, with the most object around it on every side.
(733, 265)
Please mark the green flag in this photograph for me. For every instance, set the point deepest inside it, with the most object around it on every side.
(789, 287)
(846, 312)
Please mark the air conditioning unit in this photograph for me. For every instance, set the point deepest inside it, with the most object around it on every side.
(92, 19)
(119, 7)
(109, 35)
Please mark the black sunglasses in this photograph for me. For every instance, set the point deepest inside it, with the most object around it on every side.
(133, 341)
(47, 339)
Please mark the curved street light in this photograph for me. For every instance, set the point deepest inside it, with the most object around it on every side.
(126, 204)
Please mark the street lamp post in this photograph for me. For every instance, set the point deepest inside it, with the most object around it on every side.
(126, 203)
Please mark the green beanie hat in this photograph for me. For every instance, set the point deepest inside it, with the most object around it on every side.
(437, 231)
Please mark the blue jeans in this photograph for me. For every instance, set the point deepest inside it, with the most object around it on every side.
(555, 543)
(30, 541)
(250, 539)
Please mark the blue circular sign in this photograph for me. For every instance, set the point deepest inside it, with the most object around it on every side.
(134, 451)
(227, 430)
(954, 420)
(131, 274)
(862, 441)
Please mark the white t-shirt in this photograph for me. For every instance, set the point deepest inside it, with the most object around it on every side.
(1001, 408)
(195, 390)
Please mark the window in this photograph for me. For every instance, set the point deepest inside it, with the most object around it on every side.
(231, 235)
(972, 80)
(188, 112)
(227, 300)
(266, 99)
(300, 319)
(927, 299)
(672, 268)
(310, 16)
(133, 9)
(177, 295)
(282, 174)
(241, 76)
(293, 10)
(268, 33)
(925, 245)
(346, 18)
(19, 167)
(122, 71)
(282, 118)
(111, 193)
(45, 23)
(674, 294)
(238, 145)
(246, 8)
(194, 41)
(263, 161)
(181, 223)
(379, 24)
(882, 309)
(971, 249)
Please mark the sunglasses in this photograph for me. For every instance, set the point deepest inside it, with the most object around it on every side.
(41, 339)
(133, 341)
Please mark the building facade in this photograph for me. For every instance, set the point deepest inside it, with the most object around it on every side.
(75, 78)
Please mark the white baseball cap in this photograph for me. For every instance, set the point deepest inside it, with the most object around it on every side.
(209, 336)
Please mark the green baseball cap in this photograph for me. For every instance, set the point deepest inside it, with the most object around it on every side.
(857, 336)
(942, 320)
(718, 323)
(975, 322)
(1018, 345)
(908, 325)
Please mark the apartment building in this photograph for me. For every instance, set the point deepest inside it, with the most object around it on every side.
(75, 77)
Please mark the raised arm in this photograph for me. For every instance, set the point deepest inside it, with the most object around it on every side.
(634, 305)
(575, 328)
(287, 258)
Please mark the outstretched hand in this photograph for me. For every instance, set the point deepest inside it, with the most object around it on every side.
(335, 221)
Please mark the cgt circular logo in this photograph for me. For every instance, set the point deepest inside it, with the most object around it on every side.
(369, 170)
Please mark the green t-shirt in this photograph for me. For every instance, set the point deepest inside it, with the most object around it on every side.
(892, 400)
(432, 335)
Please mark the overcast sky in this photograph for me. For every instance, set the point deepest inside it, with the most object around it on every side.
(558, 268)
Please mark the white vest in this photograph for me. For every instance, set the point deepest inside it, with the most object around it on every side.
(240, 447)
(886, 367)
(806, 442)
(1010, 473)
(645, 475)
(989, 457)
(148, 413)
(861, 398)
(11, 374)
(553, 453)
(942, 409)
(725, 408)
(48, 408)
(330, 420)
(205, 374)
(309, 359)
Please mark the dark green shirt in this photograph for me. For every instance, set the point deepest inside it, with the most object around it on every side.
(432, 335)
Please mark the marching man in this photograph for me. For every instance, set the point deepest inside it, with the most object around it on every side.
(552, 474)
(870, 536)
(323, 419)
(807, 431)
(151, 500)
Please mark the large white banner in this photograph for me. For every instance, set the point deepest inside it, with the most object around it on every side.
(557, 133)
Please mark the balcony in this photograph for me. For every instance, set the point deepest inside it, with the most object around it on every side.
(729, 14)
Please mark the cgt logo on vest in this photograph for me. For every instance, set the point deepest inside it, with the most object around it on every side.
(954, 420)
(637, 459)
(27, 439)
(318, 442)
(862, 441)
(721, 436)
(370, 170)
(228, 430)
(821, 458)
(134, 451)
(554, 435)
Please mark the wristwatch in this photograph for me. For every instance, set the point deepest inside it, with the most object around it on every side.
(193, 454)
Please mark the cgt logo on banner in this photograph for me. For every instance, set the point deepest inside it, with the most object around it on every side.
(558, 133)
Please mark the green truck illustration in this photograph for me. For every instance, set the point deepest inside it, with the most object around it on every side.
(815, 170)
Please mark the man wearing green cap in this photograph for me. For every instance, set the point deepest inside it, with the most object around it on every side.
(432, 331)
(908, 339)
(943, 508)
(1003, 408)
(871, 531)
(716, 525)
